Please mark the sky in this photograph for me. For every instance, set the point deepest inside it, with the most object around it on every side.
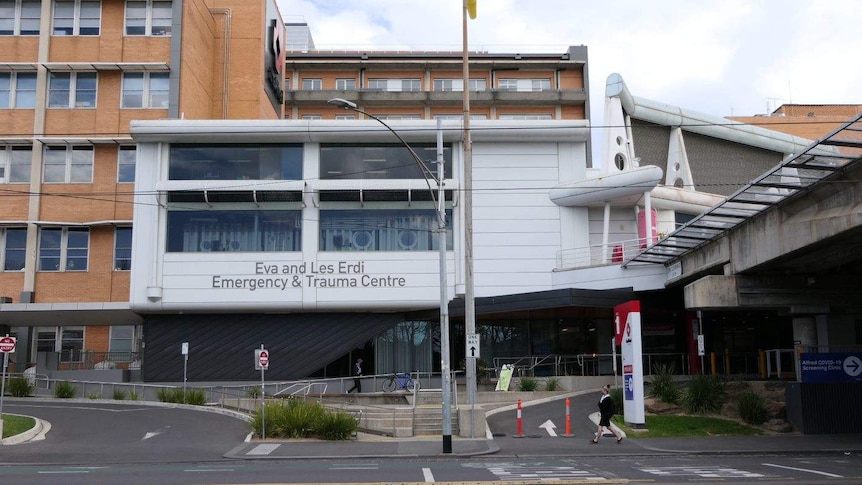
(724, 58)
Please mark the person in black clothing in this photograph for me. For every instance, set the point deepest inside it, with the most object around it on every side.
(357, 377)
(606, 410)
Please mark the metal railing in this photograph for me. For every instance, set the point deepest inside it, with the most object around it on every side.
(615, 252)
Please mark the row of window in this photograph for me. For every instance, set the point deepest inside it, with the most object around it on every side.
(525, 116)
(192, 231)
(78, 90)
(61, 164)
(84, 17)
(61, 248)
(395, 85)
(68, 341)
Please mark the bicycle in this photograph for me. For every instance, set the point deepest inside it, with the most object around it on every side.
(400, 380)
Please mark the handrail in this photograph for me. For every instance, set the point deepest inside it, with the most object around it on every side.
(614, 252)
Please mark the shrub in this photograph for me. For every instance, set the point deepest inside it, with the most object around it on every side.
(20, 387)
(552, 384)
(119, 394)
(336, 426)
(253, 392)
(752, 408)
(194, 396)
(65, 390)
(527, 384)
(134, 396)
(94, 395)
(290, 418)
(617, 397)
(705, 394)
(664, 387)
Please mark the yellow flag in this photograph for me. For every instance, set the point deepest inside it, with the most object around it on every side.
(471, 8)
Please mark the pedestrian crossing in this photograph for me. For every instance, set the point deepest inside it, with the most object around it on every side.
(701, 471)
(536, 471)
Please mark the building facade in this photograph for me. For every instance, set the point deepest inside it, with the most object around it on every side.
(73, 74)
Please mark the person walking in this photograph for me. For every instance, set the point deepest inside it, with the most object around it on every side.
(357, 377)
(606, 412)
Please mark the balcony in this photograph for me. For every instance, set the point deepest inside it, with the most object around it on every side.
(399, 98)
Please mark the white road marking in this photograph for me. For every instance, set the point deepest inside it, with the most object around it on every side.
(549, 427)
(540, 471)
(263, 449)
(429, 478)
(157, 432)
(701, 471)
(832, 475)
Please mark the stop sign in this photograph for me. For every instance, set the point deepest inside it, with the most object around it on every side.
(7, 344)
(263, 359)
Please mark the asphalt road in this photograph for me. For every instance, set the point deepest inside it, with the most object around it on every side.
(84, 433)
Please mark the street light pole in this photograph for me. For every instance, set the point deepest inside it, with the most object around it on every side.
(440, 208)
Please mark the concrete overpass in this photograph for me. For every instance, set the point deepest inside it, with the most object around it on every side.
(790, 240)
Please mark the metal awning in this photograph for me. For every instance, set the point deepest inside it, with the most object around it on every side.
(821, 160)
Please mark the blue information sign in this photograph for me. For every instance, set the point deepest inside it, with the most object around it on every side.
(629, 387)
(832, 367)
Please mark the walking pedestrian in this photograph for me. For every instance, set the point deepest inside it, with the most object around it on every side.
(606, 412)
(357, 377)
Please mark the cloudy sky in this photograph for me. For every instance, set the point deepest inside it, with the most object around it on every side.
(727, 57)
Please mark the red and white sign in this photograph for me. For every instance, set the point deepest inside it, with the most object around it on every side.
(262, 359)
(7, 344)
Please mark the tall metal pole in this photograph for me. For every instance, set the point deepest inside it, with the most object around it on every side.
(469, 301)
(444, 298)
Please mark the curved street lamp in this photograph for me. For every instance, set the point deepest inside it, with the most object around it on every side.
(446, 375)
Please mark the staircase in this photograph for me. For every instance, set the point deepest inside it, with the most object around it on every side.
(428, 414)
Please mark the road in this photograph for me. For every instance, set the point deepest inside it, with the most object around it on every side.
(132, 444)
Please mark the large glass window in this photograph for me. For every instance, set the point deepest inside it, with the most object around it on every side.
(148, 17)
(526, 117)
(19, 17)
(126, 155)
(406, 347)
(77, 17)
(380, 161)
(122, 249)
(394, 84)
(71, 344)
(72, 90)
(192, 231)
(14, 244)
(381, 230)
(17, 90)
(524, 84)
(458, 85)
(68, 164)
(145, 90)
(63, 249)
(235, 162)
(347, 84)
(15, 164)
(122, 340)
(312, 84)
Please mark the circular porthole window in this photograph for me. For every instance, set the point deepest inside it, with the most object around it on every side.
(619, 141)
(620, 161)
(678, 183)
(362, 239)
(407, 239)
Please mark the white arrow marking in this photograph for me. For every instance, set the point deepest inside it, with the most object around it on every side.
(549, 427)
(150, 434)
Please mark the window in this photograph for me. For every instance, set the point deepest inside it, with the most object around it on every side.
(17, 90)
(312, 84)
(345, 84)
(123, 340)
(66, 248)
(77, 17)
(15, 164)
(72, 90)
(126, 155)
(378, 161)
(122, 249)
(312, 117)
(235, 162)
(68, 164)
(461, 117)
(400, 117)
(525, 84)
(19, 17)
(381, 230)
(145, 90)
(14, 244)
(149, 17)
(193, 231)
(345, 117)
(531, 117)
(286, 84)
(393, 84)
(458, 85)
